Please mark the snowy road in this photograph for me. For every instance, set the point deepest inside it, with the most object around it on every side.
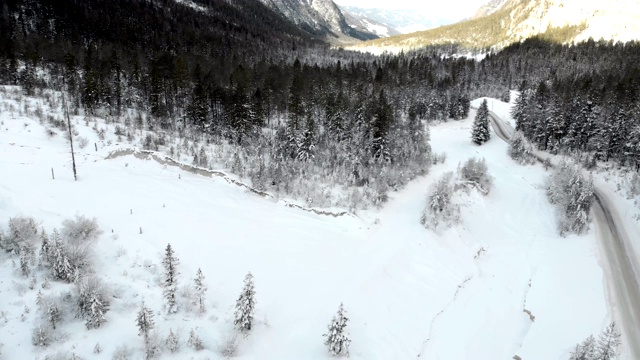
(614, 238)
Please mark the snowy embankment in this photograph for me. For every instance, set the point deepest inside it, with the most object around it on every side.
(502, 283)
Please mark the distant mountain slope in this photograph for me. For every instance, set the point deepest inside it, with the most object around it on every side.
(561, 21)
(489, 8)
(402, 21)
(319, 17)
(362, 22)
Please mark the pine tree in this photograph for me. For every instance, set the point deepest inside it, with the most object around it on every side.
(44, 246)
(97, 308)
(54, 315)
(480, 133)
(170, 264)
(144, 321)
(585, 350)
(245, 305)
(201, 290)
(337, 339)
(24, 261)
(195, 341)
(173, 341)
(608, 343)
(60, 265)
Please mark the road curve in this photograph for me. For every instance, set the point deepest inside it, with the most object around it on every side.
(623, 270)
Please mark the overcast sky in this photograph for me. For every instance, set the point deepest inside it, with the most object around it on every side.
(454, 10)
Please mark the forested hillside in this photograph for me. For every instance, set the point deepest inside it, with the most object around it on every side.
(298, 112)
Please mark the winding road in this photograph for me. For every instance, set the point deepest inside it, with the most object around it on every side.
(623, 271)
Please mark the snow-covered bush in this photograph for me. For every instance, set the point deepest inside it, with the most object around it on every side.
(440, 209)
(228, 347)
(122, 352)
(572, 194)
(82, 142)
(474, 172)
(337, 338)
(23, 232)
(80, 231)
(633, 186)
(520, 150)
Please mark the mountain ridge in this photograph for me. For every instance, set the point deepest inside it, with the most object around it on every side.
(319, 17)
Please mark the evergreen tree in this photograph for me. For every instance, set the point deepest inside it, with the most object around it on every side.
(585, 350)
(245, 305)
(24, 260)
(60, 264)
(480, 132)
(173, 341)
(201, 290)
(195, 341)
(97, 307)
(170, 264)
(144, 321)
(306, 146)
(608, 343)
(44, 246)
(337, 339)
(53, 314)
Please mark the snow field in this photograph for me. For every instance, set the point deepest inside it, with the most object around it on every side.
(408, 292)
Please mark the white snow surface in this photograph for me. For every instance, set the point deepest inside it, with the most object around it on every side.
(408, 292)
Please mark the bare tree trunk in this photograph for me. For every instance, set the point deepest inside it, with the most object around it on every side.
(73, 157)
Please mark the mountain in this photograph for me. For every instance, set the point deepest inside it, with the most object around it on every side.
(362, 22)
(499, 23)
(489, 8)
(319, 17)
(401, 21)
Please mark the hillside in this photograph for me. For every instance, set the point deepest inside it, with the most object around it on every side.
(459, 293)
(322, 18)
(363, 22)
(497, 25)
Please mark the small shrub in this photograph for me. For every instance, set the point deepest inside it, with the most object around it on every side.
(440, 209)
(23, 232)
(82, 142)
(228, 347)
(123, 352)
(475, 172)
(80, 230)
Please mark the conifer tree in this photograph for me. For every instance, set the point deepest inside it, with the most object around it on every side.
(54, 315)
(245, 305)
(173, 341)
(144, 321)
(608, 343)
(480, 133)
(201, 290)
(60, 265)
(44, 246)
(170, 264)
(337, 339)
(96, 309)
